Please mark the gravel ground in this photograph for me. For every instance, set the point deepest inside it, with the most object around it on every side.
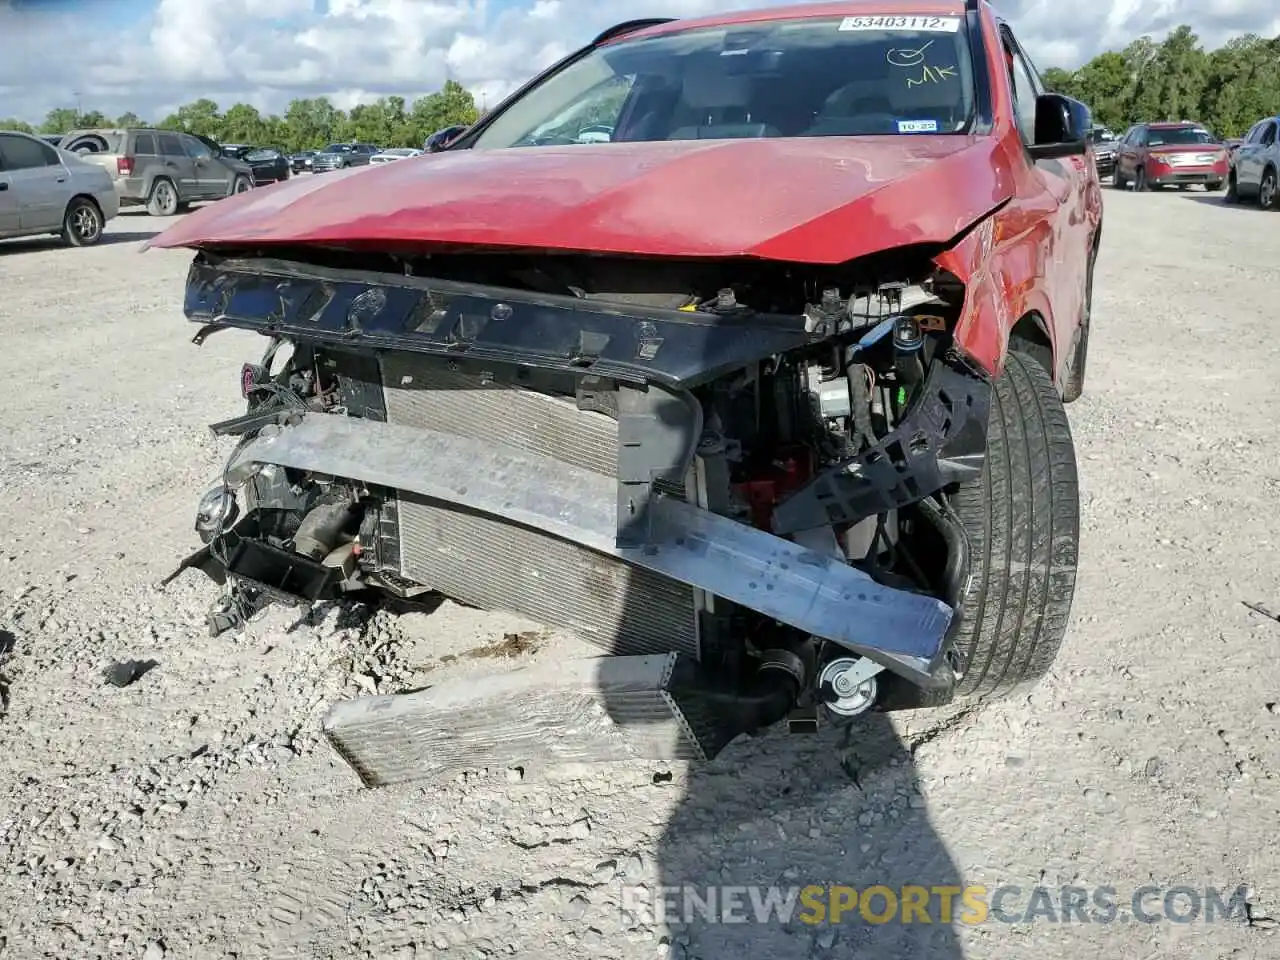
(195, 813)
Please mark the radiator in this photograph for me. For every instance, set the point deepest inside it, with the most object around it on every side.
(497, 565)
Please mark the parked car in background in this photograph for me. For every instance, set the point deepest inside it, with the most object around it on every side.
(269, 164)
(46, 190)
(337, 156)
(1174, 153)
(53, 139)
(395, 153)
(301, 162)
(162, 169)
(1255, 166)
(1104, 150)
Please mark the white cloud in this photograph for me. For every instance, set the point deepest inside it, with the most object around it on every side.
(362, 49)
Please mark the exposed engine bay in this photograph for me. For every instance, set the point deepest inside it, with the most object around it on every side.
(663, 459)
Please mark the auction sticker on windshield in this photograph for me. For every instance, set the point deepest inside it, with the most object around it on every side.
(926, 24)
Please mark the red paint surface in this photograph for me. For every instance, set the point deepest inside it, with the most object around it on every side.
(816, 200)
(792, 469)
(1028, 263)
(819, 200)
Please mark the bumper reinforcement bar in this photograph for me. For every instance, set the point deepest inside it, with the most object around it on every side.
(814, 593)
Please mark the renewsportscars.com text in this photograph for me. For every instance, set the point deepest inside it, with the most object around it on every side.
(919, 904)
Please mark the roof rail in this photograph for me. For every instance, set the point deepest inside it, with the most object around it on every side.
(629, 26)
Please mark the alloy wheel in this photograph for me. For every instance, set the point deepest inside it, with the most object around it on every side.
(86, 223)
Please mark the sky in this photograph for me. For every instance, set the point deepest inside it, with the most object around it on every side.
(149, 56)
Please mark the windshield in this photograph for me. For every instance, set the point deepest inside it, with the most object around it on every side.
(815, 77)
(1103, 135)
(1178, 136)
(338, 148)
(264, 153)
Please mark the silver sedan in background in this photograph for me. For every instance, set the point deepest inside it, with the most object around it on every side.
(47, 190)
(395, 153)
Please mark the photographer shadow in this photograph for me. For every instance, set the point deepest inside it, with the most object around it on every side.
(839, 812)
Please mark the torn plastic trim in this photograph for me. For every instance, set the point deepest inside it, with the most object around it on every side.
(942, 440)
(817, 594)
(373, 310)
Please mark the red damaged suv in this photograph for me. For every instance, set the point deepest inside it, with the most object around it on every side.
(1154, 155)
(736, 346)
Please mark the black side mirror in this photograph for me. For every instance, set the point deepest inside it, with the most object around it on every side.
(442, 138)
(1062, 127)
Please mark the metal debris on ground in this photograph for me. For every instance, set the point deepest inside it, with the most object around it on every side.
(124, 672)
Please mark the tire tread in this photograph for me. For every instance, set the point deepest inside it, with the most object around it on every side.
(1023, 521)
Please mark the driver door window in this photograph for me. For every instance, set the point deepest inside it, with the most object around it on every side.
(196, 149)
(1025, 86)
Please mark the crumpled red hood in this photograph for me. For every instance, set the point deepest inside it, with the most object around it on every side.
(817, 200)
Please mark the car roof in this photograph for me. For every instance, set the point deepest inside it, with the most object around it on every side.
(800, 11)
(1173, 124)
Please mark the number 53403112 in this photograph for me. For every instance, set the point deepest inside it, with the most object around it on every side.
(926, 24)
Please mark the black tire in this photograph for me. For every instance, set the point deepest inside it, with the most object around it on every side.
(241, 184)
(1233, 193)
(83, 223)
(163, 200)
(1140, 184)
(1117, 180)
(1269, 190)
(1022, 519)
(1213, 187)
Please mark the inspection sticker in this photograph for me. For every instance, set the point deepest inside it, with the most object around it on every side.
(924, 24)
(917, 126)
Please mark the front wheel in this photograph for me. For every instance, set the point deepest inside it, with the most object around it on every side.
(241, 185)
(82, 223)
(1022, 521)
(1269, 191)
(1117, 180)
(1140, 184)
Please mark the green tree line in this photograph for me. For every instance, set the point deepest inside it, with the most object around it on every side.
(1228, 89)
(307, 124)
